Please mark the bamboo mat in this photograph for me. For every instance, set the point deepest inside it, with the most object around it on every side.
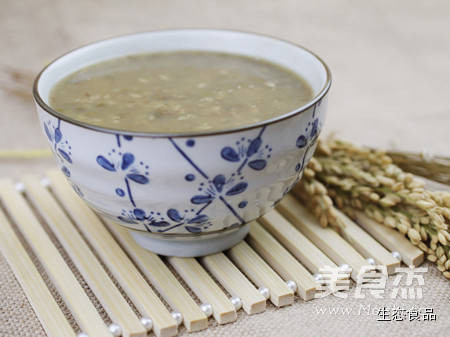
(84, 275)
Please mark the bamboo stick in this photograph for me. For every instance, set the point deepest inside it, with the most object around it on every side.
(327, 239)
(282, 261)
(392, 240)
(366, 245)
(40, 298)
(235, 282)
(91, 269)
(205, 288)
(298, 244)
(25, 154)
(261, 274)
(76, 299)
(113, 256)
(162, 278)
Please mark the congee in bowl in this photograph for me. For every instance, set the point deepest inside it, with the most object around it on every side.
(183, 136)
(179, 91)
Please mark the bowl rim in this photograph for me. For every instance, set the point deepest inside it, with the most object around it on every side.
(322, 93)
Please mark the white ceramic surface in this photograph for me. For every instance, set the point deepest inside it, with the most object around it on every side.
(179, 187)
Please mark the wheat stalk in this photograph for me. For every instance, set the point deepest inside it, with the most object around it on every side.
(350, 177)
(436, 168)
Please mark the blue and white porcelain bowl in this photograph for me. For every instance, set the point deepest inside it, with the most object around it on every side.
(186, 194)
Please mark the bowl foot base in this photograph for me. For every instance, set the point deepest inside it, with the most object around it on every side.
(190, 247)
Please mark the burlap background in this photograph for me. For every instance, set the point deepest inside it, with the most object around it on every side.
(390, 63)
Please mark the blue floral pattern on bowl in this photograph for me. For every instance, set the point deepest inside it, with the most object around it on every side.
(60, 146)
(126, 165)
(185, 185)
